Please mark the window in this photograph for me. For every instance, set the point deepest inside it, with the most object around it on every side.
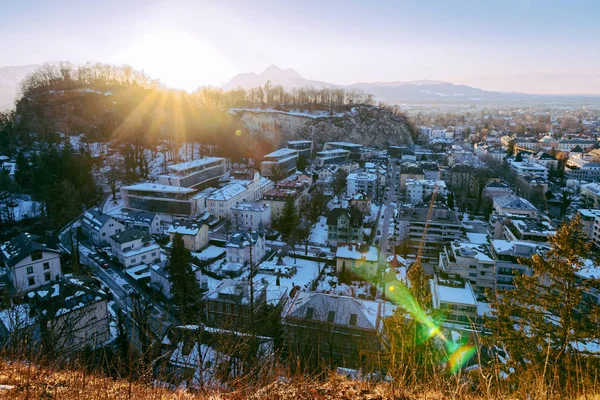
(143, 257)
(31, 281)
(353, 318)
(133, 260)
(103, 233)
(46, 265)
(153, 254)
(36, 256)
(29, 270)
(47, 277)
(330, 316)
(309, 313)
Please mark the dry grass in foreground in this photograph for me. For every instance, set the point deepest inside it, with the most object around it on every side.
(20, 380)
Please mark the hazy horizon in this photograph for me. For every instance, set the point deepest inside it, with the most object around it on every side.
(538, 47)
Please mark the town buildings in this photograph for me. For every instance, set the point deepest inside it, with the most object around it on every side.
(362, 182)
(194, 173)
(31, 262)
(193, 232)
(251, 215)
(283, 161)
(133, 247)
(344, 225)
(99, 227)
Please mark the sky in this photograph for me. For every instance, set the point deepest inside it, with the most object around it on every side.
(528, 46)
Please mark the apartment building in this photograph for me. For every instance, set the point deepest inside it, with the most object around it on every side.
(364, 182)
(276, 198)
(133, 247)
(220, 202)
(333, 156)
(344, 225)
(157, 198)
(194, 173)
(98, 227)
(304, 147)
(251, 215)
(418, 189)
(589, 195)
(31, 262)
(193, 232)
(471, 262)
(286, 160)
(506, 254)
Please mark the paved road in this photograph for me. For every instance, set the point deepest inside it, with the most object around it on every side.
(392, 183)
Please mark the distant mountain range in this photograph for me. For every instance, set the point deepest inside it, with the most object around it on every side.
(425, 92)
(10, 77)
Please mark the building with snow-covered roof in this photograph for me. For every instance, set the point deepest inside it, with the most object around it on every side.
(333, 329)
(193, 232)
(506, 254)
(545, 159)
(194, 173)
(219, 203)
(332, 156)
(98, 227)
(530, 229)
(528, 168)
(471, 262)
(153, 197)
(228, 305)
(133, 247)
(362, 182)
(496, 189)
(245, 247)
(362, 202)
(418, 189)
(589, 195)
(357, 259)
(589, 172)
(145, 221)
(514, 205)
(456, 298)
(286, 160)
(344, 225)
(251, 215)
(357, 151)
(276, 198)
(304, 147)
(31, 261)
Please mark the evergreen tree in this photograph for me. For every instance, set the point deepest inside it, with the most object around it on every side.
(289, 217)
(302, 163)
(184, 287)
(451, 200)
(548, 318)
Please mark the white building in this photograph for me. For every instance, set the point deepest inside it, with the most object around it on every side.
(333, 156)
(144, 221)
(194, 173)
(457, 298)
(239, 244)
(589, 195)
(514, 205)
(285, 159)
(133, 247)
(418, 189)
(219, 203)
(99, 227)
(251, 215)
(193, 233)
(529, 168)
(29, 262)
(361, 182)
(153, 197)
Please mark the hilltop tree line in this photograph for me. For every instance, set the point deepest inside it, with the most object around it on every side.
(270, 95)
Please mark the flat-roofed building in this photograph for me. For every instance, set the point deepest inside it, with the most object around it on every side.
(304, 147)
(456, 298)
(285, 159)
(251, 215)
(506, 254)
(194, 173)
(361, 182)
(153, 197)
(357, 151)
(333, 156)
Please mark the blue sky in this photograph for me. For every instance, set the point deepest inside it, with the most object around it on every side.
(530, 46)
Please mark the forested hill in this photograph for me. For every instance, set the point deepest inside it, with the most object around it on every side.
(124, 107)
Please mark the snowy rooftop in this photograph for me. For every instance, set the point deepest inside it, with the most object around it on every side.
(155, 187)
(357, 252)
(426, 182)
(281, 153)
(361, 176)
(227, 192)
(454, 294)
(250, 206)
(195, 163)
(593, 187)
(514, 203)
(299, 141)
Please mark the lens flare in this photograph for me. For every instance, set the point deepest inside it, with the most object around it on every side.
(238, 133)
(460, 357)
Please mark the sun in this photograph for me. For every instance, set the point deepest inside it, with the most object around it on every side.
(180, 60)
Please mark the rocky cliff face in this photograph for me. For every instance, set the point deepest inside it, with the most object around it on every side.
(367, 125)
